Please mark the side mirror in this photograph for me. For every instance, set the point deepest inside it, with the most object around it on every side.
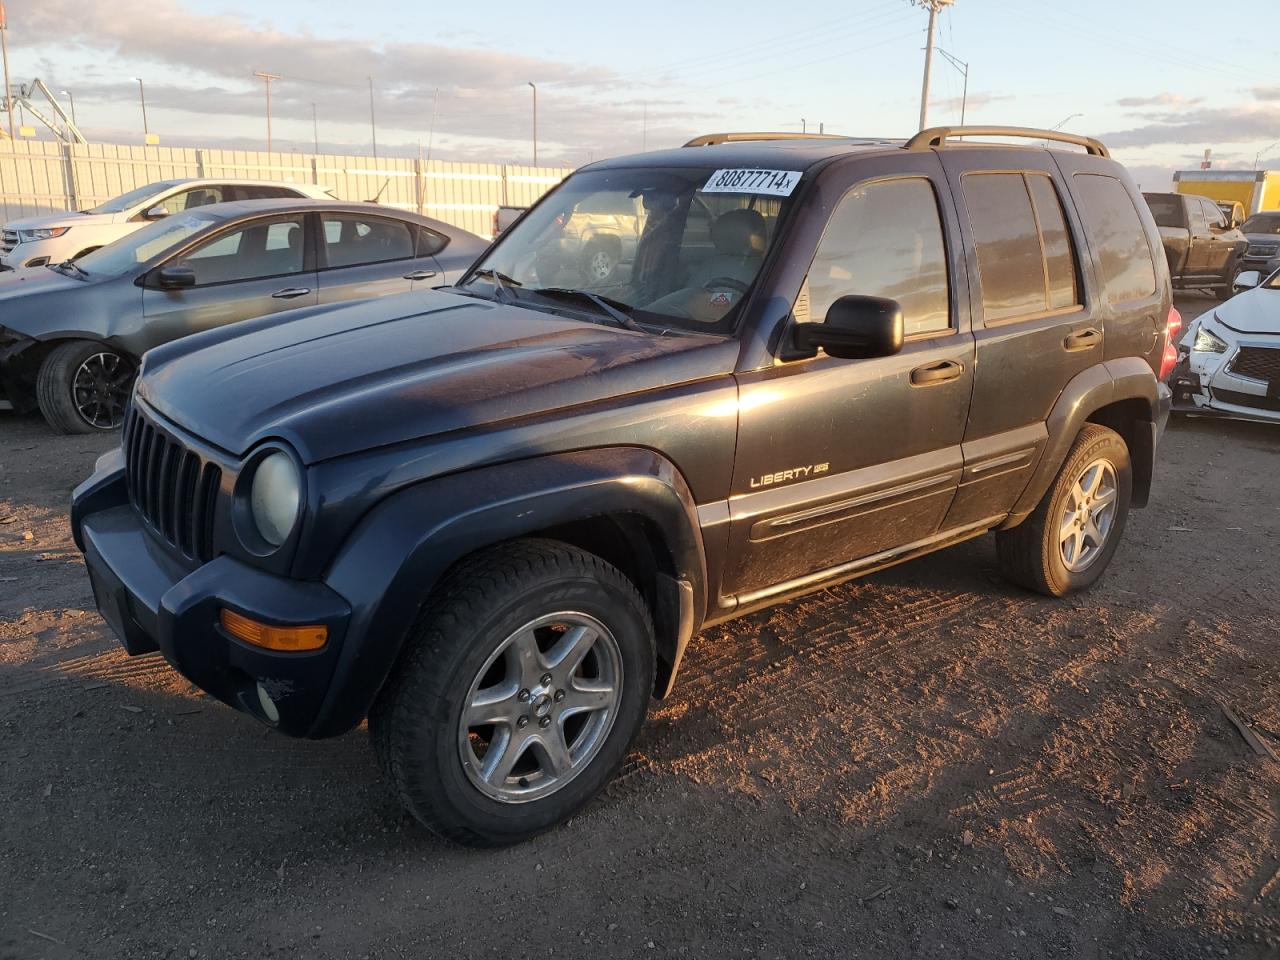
(856, 328)
(176, 278)
(156, 213)
(1246, 281)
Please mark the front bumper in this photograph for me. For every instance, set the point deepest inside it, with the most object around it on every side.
(153, 601)
(1205, 384)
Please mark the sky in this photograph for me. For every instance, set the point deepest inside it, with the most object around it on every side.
(1159, 82)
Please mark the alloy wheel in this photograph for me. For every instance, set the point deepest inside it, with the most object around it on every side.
(600, 265)
(541, 707)
(100, 390)
(1088, 515)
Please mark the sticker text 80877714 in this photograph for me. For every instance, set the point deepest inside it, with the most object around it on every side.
(776, 183)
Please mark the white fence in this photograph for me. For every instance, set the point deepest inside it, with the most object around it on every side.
(38, 177)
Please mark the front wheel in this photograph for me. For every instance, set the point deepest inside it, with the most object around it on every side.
(83, 387)
(524, 684)
(1070, 537)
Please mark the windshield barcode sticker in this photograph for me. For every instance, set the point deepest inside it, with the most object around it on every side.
(775, 183)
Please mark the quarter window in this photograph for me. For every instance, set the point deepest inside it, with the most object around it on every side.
(355, 240)
(1116, 232)
(885, 240)
(1026, 260)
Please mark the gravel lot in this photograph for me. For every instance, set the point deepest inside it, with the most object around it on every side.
(926, 763)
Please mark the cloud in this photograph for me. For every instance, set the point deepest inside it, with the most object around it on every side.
(1266, 93)
(1160, 100)
(1204, 127)
(976, 101)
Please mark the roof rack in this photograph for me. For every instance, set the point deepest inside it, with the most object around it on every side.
(938, 137)
(710, 139)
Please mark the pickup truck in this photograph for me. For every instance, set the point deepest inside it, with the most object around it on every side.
(1200, 244)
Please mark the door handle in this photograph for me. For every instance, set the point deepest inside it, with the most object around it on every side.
(1085, 339)
(943, 372)
(421, 275)
(288, 293)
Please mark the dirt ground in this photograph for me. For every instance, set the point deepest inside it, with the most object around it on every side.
(926, 763)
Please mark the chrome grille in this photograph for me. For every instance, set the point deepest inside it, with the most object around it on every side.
(1262, 249)
(1258, 363)
(172, 487)
(8, 240)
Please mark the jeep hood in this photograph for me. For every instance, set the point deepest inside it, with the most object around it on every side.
(337, 380)
(1253, 311)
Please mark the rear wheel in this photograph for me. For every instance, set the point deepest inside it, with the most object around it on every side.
(524, 684)
(83, 386)
(1067, 542)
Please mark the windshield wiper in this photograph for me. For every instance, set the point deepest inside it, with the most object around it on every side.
(614, 309)
(499, 279)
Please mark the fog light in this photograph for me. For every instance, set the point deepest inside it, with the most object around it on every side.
(288, 639)
(268, 705)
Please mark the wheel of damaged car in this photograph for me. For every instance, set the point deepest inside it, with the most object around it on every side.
(522, 687)
(83, 387)
(1071, 536)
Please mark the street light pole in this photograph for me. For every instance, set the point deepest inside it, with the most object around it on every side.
(373, 125)
(535, 122)
(267, 78)
(142, 96)
(315, 127)
(71, 100)
(933, 6)
(4, 54)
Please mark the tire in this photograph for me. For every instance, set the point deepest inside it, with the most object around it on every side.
(1036, 555)
(600, 261)
(83, 386)
(472, 636)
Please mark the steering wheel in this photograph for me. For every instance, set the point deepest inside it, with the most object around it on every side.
(719, 283)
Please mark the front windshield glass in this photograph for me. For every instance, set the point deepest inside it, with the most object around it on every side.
(133, 198)
(1260, 223)
(143, 246)
(671, 247)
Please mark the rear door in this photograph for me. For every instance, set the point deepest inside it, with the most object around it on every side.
(1032, 327)
(1222, 240)
(366, 255)
(841, 460)
(246, 270)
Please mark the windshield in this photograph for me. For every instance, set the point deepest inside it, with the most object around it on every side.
(133, 198)
(1166, 210)
(1261, 223)
(143, 246)
(668, 247)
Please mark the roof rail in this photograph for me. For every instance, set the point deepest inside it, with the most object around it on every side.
(938, 137)
(710, 139)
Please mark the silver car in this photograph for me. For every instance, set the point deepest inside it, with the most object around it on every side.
(71, 334)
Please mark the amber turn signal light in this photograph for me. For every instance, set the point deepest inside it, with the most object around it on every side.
(288, 639)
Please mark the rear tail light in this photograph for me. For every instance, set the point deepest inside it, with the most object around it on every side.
(1170, 358)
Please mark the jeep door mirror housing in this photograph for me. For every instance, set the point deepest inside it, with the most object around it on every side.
(1246, 280)
(155, 213)
(856, 328)
(175, 278)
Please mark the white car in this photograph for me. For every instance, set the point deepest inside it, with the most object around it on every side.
(1229, 359)
(56, 237)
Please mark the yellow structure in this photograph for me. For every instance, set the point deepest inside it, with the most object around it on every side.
(1255, 190)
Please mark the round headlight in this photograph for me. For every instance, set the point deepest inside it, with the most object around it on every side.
(274, 497)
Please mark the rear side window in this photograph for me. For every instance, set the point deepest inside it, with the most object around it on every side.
(430, 242)
(885, 240)
(354, 240)
(1115, 232)
(1026, 260)
(1166, 210)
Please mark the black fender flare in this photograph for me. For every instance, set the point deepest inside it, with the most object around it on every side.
(393, 558)
(1099, 386)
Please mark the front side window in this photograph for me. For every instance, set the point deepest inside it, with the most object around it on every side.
(1213, 215)
(671, 247)
(255, 251)
(1115, 230)
(190, 199)
(351, 240)
(1026, 261)
(885, 240)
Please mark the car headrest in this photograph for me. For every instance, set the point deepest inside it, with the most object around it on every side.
(739, 233)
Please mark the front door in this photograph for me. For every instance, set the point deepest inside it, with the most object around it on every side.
(248, 270)
(844, 460)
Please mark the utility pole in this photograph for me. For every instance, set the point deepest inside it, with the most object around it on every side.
(315, 127)
(535, 122)
(267, 78)
(431, 132)
(934, 7)
(804, 126)
(4, 52)
(644, 129)
(964, 70)
(373, 125)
